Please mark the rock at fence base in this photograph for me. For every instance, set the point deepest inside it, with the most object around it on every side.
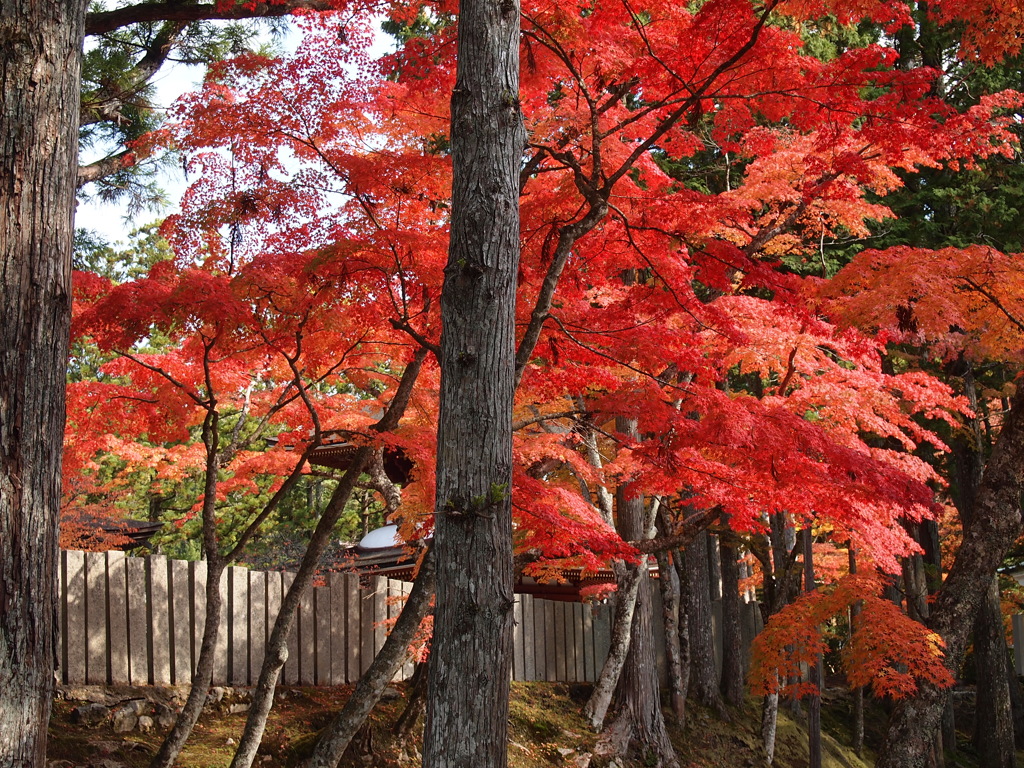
(145, 723)
(166, 719)
(216, 695)
(90, 714)
(137, 707)
(124, 720)
(582, 760)
(238, 708)
(566, 751)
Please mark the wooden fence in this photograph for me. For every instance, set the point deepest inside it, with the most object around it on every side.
(140, 621)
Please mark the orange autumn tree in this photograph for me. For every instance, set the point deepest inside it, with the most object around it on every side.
(641, 292)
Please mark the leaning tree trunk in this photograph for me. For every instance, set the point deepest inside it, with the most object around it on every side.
(993, 529)
(385, 666)
(276, 653)
(471, 653)
(639, 721)
(40, 56)
(600, 699)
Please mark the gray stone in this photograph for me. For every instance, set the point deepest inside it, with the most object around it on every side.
(238, 708)
(90, 714)
(124, 720)
(145, 724)
(390, 694)
(216, 695)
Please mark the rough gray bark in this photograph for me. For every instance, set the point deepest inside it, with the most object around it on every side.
(385, 666)
(814, 676)
(40, 44)
(858, 692)
(671, 603)
(697, 599)
(993, 725)
(732, 640)
(471, 653)
(996, 525)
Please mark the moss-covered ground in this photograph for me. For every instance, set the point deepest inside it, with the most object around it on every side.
(546, 730)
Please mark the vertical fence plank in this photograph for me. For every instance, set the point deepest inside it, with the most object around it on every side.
(275, 593)
(602, 634)
(138, 627)
(179, 586)
(238, 625)
(96, 618)
(589, 663)
(550, 649)
(307, 640)
(197, 572)
(291, 667)
(336, 582)
(517, 639)
(561, 641)
(74, 628)
(366, 599)
(353, 628)
(395, 604)
(580, 644)
(222, 655)
(530, 665)
(159, 620)
(117, 618)
(257, 623)
(380, 613)
(1018, 642)
(410, 666)
(322, 606)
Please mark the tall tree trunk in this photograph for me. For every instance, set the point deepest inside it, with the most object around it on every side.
(670, 601)
(994, 527)
(40, 56)
(385, 666)
(732, 640)
(858, 692)
(703, 674)
(471, 653)
(993, 725)
(639, 723)
(814, 674)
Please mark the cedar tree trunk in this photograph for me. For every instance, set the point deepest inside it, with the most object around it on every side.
(732, 640)
(40, 56)
(994, 527)
(471, 651)
(697, 599)
(993, 724)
